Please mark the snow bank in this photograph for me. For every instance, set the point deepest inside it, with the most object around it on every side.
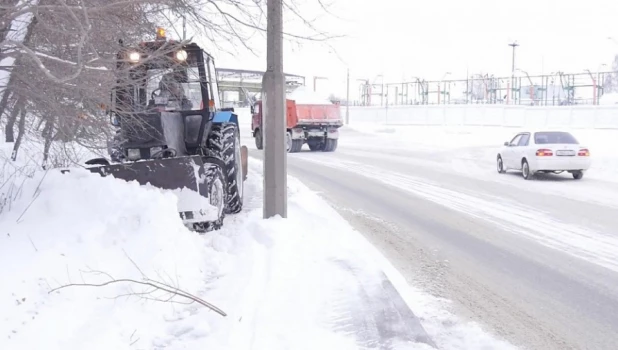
(80, 228)
(306, 282)
(302, 95)
(278, 280)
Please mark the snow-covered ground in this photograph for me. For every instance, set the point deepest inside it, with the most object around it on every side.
(532, 261)
(98, 263)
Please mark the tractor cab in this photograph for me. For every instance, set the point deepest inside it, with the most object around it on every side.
(163, 84)
(171, 132)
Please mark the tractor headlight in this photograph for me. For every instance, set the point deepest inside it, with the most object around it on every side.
(133, 153)
(181, 55)
(134, 56)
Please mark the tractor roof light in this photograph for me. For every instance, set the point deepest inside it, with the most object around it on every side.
(134, 56)
(160, 33)
(181, 55)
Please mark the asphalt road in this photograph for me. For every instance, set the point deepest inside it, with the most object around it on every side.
(534, 262)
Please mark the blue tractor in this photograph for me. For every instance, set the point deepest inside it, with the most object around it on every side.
(171, 132)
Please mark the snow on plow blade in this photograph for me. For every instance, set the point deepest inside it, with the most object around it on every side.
(175, 174)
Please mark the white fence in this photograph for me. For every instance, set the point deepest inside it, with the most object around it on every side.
(585, 117)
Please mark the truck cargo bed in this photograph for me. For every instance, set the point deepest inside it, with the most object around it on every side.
(313, 114)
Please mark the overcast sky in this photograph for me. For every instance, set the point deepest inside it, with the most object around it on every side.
(405, 38)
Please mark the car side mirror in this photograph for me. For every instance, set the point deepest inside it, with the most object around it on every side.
(252, 110)
(506, 144)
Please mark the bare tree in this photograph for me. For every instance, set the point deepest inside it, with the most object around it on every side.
(59, 54)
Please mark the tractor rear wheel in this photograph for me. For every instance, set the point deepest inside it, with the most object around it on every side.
(224, 143)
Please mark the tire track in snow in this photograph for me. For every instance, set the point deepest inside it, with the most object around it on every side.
(374, 314)
(598, 248)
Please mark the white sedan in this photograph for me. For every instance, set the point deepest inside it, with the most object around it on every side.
(545, 152)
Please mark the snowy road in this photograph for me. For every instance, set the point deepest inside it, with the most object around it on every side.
(534, 262)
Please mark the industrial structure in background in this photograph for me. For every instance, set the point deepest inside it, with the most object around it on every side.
(241, 88)
(555, 89)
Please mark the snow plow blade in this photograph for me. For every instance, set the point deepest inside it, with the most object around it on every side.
(166, 174)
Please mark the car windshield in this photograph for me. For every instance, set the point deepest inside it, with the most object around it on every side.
(553, 137)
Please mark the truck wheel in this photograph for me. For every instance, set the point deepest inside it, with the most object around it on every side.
(293, 145)
(224, 143)
(330, 145)
(297, 145)
(315, 146)
(259, 141)
(289, 143)
(335, 143)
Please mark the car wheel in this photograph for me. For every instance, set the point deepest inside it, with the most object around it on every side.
(577, 175)
(525, 170)
(500, 165)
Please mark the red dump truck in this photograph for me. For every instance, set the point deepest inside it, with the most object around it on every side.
(315, 123)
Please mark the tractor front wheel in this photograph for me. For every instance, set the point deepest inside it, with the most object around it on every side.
(215, 187)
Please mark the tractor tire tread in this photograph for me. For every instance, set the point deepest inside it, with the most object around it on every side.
(221, 144)
(211, 171)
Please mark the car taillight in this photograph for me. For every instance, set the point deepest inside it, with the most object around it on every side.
(544, 153)
(584, 152)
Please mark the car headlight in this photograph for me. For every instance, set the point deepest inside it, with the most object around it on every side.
(133, 153)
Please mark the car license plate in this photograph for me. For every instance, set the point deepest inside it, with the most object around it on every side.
(565, 153)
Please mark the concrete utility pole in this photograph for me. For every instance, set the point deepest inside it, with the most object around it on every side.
(512, 92)
(275, 133)
(347, 99)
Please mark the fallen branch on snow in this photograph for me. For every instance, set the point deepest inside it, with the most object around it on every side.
(148, 283)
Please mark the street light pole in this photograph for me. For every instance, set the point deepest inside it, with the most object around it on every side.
(273, 114)
(513, 45)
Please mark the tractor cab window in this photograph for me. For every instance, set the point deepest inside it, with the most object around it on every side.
(211, 76)
(174, 89)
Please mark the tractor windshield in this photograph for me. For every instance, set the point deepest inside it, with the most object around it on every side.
(161, 78)
(173, 89)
